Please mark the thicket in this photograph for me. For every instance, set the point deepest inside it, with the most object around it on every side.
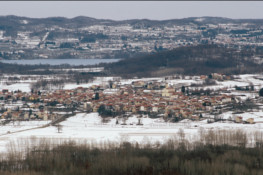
(48, 85)
(177, 156)
(37, 69)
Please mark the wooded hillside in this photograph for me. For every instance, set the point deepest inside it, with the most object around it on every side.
(191, 60)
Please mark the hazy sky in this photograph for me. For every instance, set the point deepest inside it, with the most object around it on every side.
(119, 10)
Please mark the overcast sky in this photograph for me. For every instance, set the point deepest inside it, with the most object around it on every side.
(134, 9)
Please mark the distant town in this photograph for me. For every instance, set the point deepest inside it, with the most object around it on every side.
(91, 38)
(154, 98)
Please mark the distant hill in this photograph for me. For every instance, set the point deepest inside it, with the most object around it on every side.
(191, 60)
(24, 23)
(60, 37)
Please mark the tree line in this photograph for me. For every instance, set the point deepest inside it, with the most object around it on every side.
(190, 60)
(216, 152)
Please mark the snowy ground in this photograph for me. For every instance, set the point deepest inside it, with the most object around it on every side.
(24, 87)
(243, 80)
(20, 125)
(105, 81)
(257, 116)
(90, 129)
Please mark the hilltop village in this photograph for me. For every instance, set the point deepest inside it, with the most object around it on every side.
(173, 102)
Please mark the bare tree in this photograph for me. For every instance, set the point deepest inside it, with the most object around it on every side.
(59, 128)
(181, 134)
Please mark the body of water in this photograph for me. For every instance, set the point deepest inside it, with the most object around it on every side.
(61, 61)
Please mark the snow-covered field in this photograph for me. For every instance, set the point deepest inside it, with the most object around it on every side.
(244, 80)
(20, 125)
(24, 87)
(90, 129)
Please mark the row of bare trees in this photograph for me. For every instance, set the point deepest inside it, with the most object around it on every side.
(48, 84)
(229, 152)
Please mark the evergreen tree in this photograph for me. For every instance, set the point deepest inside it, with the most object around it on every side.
(261, 92)
(183, 89)
(97, 96)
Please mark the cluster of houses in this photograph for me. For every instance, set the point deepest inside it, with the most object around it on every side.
(25, 106)
(141, 97)
(154, 98)
(239, 119)
(146, 98)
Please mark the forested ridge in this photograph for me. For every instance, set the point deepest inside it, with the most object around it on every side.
(187, 60)
(191, 60)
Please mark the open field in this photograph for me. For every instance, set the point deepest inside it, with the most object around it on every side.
(88, 128)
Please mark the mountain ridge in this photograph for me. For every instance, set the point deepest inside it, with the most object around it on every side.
(91, 20)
